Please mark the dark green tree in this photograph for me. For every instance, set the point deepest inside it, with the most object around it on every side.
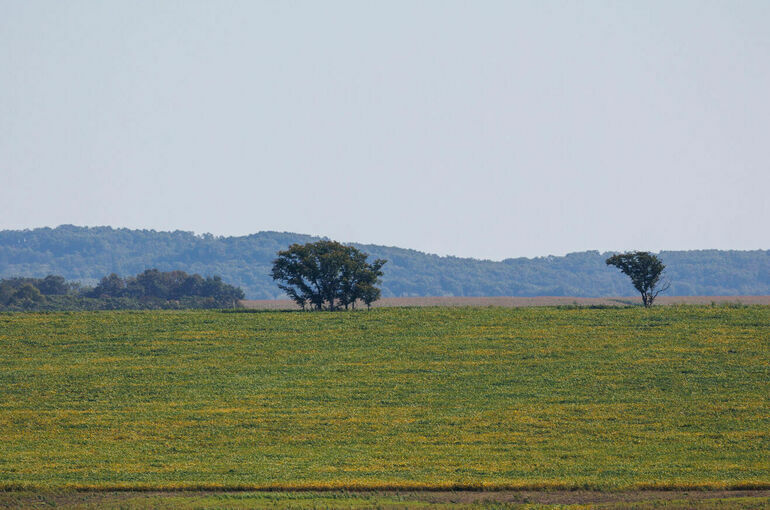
(368, 293)
(6, 292)
(645, 271)
(27, 296)
(327, 274)
(359, 279)
(223, 294)
(53, 285)
(109, 286)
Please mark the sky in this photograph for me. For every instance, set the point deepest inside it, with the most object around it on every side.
(475, 129)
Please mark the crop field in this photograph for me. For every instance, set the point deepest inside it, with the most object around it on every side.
(613, 399)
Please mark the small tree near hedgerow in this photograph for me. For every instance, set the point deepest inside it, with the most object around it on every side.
(645, 271)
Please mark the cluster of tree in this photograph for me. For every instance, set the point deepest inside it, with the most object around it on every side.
(170, 285)
(26, 293)
(86, 254)
(327, 274)
(151, 289)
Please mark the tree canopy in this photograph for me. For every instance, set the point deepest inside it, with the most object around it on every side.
(149, 289)
(327, 274)
(645, 271)
(169, 285)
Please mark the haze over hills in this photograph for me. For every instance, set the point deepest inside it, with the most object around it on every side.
(88, 253)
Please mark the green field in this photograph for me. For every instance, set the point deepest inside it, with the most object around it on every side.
(619, 398)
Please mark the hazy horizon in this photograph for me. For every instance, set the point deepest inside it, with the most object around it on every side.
(493, 130)
(353, 241)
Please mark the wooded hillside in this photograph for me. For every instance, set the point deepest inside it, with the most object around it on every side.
(87, 254)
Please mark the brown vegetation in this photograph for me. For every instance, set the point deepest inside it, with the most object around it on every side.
(440, 499)
(287, 304)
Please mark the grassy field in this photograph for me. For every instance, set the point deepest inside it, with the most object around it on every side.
(493, 398)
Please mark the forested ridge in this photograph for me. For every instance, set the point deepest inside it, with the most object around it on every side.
(89, 253)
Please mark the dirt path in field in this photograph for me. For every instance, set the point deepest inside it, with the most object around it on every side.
(513, 302)
(384, 499)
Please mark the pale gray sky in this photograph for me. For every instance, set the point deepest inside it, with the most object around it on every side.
(484, 129)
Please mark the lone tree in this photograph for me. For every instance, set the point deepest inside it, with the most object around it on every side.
(327, 275)
(645, 271)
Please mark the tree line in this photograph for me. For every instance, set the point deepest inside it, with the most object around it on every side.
(151, 289)
(88, 253)
(323, 275)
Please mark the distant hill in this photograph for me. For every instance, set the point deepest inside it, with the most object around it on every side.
(88, 253)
